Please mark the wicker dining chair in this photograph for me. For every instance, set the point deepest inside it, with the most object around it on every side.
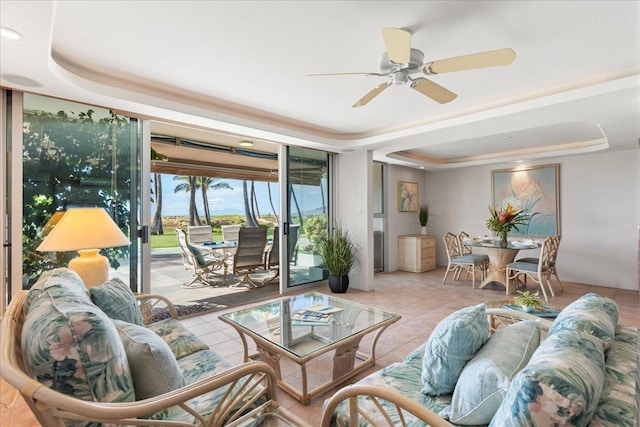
(539, 273)
(481, 260)
(458, 262)
(555, 242)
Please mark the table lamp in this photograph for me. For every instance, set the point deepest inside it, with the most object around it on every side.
(86, 230)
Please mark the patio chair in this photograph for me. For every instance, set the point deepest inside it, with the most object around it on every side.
(272, 257)
(202, 266)
(555, 241)
(458, 262)
(540, 273)
(200, 234)
(230, 235)
(184, 253)
(249, 255)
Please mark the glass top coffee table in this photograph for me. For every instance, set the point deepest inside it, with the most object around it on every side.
(277, 334)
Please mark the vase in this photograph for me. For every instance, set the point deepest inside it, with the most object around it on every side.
(339, 284)
(503, 239)
(423, 230)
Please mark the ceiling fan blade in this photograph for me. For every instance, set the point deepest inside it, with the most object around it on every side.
(492, 58)
(344, 74)
(433, 90)
(398, 43)
(372, 94)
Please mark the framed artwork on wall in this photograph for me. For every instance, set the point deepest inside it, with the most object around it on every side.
(535, 190)
(407, 196)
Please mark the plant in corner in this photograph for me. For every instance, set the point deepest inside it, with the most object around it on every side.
(423, 217)
(528, 301)
(340, 255)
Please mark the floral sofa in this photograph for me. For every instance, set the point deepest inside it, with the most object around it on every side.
(584, 373)
(87, 358)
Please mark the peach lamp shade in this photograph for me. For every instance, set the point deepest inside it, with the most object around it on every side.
(86, 230)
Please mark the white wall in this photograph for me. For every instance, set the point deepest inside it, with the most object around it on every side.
(402, 223)
(354, 211)
(599, 208)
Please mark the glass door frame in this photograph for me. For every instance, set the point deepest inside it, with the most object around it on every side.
(12, 195)
(284, 181)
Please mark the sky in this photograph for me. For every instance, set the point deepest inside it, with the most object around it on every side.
(225, 201)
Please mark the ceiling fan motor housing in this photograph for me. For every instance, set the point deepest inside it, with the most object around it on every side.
(388, 67)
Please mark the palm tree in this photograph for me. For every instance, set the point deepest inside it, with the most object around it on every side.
(206, 184)
(247, 209)
(271, 202)
(156, 225)
(190, 185)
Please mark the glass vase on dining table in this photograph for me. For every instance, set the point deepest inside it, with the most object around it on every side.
(503, 239)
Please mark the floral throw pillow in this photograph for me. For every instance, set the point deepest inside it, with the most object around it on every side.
(560, 386)
(117, 301)
(73, 348)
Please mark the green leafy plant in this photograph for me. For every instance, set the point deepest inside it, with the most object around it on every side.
(423, 215)
(528, 299)
(338, 252)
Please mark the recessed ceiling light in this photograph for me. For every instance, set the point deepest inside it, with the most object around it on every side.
(421, 167)
(507, 137)
(21, 80)
(519, 161)
(10, 34)
(245, 143)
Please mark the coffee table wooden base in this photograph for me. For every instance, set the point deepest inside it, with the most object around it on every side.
(344, 361)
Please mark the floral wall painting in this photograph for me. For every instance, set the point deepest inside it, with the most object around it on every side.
(535, 190)
(407, 196)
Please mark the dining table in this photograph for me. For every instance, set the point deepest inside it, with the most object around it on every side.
(499, 257)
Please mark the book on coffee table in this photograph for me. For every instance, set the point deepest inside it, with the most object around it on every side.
(317, 313)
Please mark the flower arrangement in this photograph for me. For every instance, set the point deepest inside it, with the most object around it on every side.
(504, 220)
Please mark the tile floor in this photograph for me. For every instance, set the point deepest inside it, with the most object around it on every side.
(420, 299)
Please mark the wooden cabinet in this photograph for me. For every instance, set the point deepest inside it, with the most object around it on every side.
(416, 253)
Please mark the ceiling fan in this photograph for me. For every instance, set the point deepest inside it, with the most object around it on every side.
(400, 61)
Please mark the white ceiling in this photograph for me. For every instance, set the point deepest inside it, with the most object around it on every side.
(240, 68)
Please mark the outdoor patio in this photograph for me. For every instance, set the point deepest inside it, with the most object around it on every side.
(168, 273)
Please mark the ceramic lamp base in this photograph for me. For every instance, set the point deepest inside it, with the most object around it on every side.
(92, 267)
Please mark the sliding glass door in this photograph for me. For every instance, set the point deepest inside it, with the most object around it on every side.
(76, 155)
(307, 213)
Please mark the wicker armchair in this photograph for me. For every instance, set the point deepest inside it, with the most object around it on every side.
(246, 392)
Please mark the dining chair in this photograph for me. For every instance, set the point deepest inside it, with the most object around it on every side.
(200, 234)
(539, 273)
(552, 262)
(249, 255)
(456, 261)
(203, 266)
(230, 235)
(272, 258)
(481, 260)
(184, 252)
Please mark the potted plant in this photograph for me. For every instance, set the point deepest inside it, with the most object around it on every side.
(423, 217)
(528, 301)
(339, 254)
